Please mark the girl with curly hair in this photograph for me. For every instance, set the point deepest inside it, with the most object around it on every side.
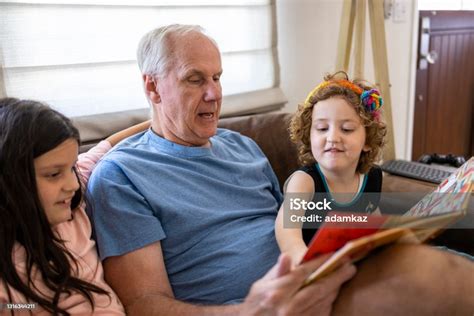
(48, 261)
(340, 134)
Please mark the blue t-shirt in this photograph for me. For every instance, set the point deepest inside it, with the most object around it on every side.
(213, 209)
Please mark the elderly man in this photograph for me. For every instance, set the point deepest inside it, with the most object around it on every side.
(184, 213)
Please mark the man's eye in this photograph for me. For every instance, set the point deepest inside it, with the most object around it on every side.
(195, 80)
(217, 78)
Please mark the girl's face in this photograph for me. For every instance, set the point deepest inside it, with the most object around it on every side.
(337, 136)
(56, 180)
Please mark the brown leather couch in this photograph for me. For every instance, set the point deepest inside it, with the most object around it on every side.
(270, 132)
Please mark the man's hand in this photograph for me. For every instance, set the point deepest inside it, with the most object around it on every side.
(278, 292)
(296, 254)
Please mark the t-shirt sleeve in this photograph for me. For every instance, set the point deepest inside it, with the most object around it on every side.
(270, 174)
(122, 218)
(87, 161)
(275, 185)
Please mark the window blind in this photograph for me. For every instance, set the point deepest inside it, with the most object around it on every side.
(79, 56)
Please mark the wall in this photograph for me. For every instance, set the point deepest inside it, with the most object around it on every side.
(307, 43)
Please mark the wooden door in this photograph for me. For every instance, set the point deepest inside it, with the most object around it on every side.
(444, 99)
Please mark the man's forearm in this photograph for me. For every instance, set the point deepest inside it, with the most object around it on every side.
(156, 304)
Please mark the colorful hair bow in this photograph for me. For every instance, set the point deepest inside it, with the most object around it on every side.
(344, 83)
(372, 102)
(369, 99)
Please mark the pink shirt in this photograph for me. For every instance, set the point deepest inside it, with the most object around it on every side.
(77, 236)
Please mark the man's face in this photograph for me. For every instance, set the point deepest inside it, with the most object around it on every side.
(190, 95)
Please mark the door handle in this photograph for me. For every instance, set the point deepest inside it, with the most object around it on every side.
(431, 57)
(425, 56)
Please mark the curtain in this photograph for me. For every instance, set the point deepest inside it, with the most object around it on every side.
(79, 56)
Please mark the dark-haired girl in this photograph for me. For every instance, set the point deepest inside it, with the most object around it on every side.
(48, 261)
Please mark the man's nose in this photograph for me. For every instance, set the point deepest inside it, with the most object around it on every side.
(213, 91)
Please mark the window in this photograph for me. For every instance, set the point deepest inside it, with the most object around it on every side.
(79, 56)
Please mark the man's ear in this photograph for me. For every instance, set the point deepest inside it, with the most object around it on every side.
(150, 88)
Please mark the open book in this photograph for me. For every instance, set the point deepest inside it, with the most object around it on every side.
(429, 216)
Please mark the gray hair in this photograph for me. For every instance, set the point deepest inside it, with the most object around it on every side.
(154, 53)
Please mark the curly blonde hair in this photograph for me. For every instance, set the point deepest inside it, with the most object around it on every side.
(375, 128)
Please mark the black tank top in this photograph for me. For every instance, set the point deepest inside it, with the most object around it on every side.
(366, 203)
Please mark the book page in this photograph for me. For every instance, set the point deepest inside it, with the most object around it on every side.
(433, 213)
(450, 196)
